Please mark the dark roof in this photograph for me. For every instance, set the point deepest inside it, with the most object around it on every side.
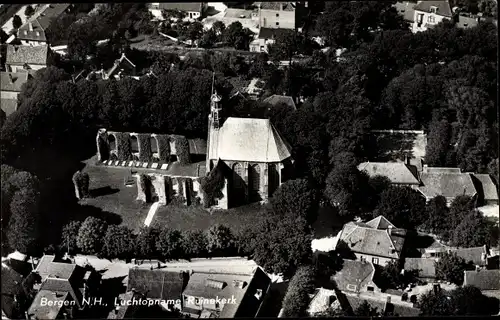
(48, 268)
(177, 169)
(197, 146)
(276, 99)
(397, 172)
(489, 189)
(37, 310)
(157, 284)
(405, 8)
(9, 106)
(380, 222)
(12, 81)
(443, 7)
(20, 55)
(483, 279)
(124, 311)
(449, 185)
(41, 21)
(182, 6)
(377, 300)
(425, 266)
(474, 254)
(269, 33)
(61, 285)
(354, 275)
(286, 6)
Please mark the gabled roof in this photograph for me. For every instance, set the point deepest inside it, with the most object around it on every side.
(443, 7)
(13, 81)
(476, 254)
(354, 275)
(364, 239)
(253, 140)
(40, 22)
(123, 61)
(449, 185)
(47, 311)
(182, 6)
(380, 222)
(270, 33)
(489, 189)
(424, 266)
(61, 285)
(48, 268)
(397, 172)
(285, 6)
(483, 279)
(19, 55)
(276, 99)
(157, 284)
(321, 301)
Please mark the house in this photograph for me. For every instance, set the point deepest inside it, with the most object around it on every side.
(399, 173)
(378, 245)
(429, 13)
(15, 287)
(267, 36)
(277, 15)
(447, 182)
(355, 276)
(488, 281)
(277, 99)
(424, 268)
(487, 190)
(34, 31)
(385, 304)
(122, 67)
(10, 87)
(225, 295)
(62, 306)
(465, 22)
(193, 10)
(406, 9)
(251, 151)
(476, 255)
(322, 300)
(22, 58)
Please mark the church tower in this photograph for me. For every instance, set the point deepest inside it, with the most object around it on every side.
(214, 123)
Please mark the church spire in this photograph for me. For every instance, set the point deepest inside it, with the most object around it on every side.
(215, 107)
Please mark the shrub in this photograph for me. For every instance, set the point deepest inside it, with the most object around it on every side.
(182, 148)
(123, 146)
(81, 181)
(297, 298)
(145, 154)
(211, 186)
(163, 147)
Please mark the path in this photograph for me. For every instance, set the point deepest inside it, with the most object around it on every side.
(151, 213)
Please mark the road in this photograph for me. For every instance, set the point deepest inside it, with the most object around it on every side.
(7, 27)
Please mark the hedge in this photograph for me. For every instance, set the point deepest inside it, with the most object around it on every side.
(297, 299)
(123, 146)
(145, 154)
(163, 147)
(182, 148)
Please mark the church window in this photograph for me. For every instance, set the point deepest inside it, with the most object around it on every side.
(237, 175)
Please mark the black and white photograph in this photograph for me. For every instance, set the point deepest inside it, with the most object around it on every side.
(320, 159)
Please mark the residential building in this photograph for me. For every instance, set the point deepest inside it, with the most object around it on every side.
(475, 255)
(127, 310)
(277, 15)
(62, 306)
(266, 37)
(424, 268)
(239, 295)
(121, 67)
(487, 190)
(488, 281)
(355, 276)
(23, 58)
(429, 13)
(277, 99)
(34, 31)
(16, 286)
(193, 10)
(10, 87)
(378, 245)
(385, 304)
(399, 173)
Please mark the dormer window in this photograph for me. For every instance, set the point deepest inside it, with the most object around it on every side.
(277, 15)
(434, 9)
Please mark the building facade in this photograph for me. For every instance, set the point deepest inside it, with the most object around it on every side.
(26, 58)
(34, 31)
(427, 14)
(277, 15)
(193, 10)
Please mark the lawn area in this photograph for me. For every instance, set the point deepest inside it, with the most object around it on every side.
(192, 218)
(111, 195)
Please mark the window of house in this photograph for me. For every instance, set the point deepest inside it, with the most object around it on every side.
(431, 19)
(375, 260)
(277, 23)
(433, 254)
(420, 18)
(277, 15)
(370, 288)
(261, 48)
(434, 9)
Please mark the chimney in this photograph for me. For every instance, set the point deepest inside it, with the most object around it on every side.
(389, 230)
(11, 80)
(30, 25)
(425, 168)
(281, 6)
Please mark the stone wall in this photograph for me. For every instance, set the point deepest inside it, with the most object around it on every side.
(166, 188)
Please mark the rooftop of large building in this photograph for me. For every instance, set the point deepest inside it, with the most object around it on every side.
(397, 172)
(449, 185)
(13, 81)
(442, 7)
(35, 28)
(19, 55)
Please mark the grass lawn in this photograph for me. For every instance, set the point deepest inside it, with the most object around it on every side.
(192, 218)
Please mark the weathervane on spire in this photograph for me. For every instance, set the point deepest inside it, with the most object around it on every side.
(215, 107)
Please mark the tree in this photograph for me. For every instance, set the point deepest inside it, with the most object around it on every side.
(219, 239)
(365, 310)
(295, 198)
(195, 244)
(390, 276)
(237, 36)
(145, 243)
(118, 242)
(460, 207)
(195, 31)
(286, 45)
(402, 206)
(488, 8)
(28, 12)
(23, 231)
(170, 244)
(69, 236)
(17, 22)
(208, 39)
(451, 268)
(297, 299)
(218, 27)
(377, 184)
(438, 217)
(438, 143)
(91, 235)
(435, 303)
(472, 231)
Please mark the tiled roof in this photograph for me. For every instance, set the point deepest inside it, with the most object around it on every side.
(40, 22)
(380, 222)
(287, 6)
(489, 189)
(405, 8)
(48, 268)
(474, 254)
(276, 99)
(12, 81)
(441, 170)
(177, 169)
(182, 6)
(483, 279)
(19, 55)
(269, 33)
(397, 172)
(443, 7)
(61, 285)
(253, 140)
(197, 146)
(124, 311)
(354, 275)
(9, 106)
(449, 185)
(157, 284)
(47, 311)
(321, 300)
(378, 300)
(122, 62)
(425, 266)
(371, 241)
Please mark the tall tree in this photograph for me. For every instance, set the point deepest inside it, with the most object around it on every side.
(451, 268)
(91, 235)
(472, 231)
(118, 242)
(23, 231)
(297, 299)
(146, 241)
(403, 206)
(438, 143)
(69, 236)
(219, 239)
(17, 22)
(295, 198)
(438, 218)
(170, 244)
(28, 12)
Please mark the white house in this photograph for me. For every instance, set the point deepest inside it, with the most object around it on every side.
(427, 14)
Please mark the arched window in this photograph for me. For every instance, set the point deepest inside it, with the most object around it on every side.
(254, 180)
(134, 144)
(274, 178)
(237, 175)
(112, 142)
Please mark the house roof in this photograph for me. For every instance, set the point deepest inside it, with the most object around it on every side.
(123, 61)
(40, 22)
(269, 33)
(378, 300)
(466, 22)
(397, 172)
(182, 6)
(449, 185)
(287, 6)
(157, 284)
(354, 275)
(483, 279)
(197, 146)
(364, 239)
(19, 55)
(12, 81)
(474, 254)
(489, 189)
(61, 285)
(37, 310)
(48, 268)
(425, 266)
(405, 8)
(124, 311)
(276, 99)
(321, 300)
(9, 106)
(253, 140)
(380, 222)
(443, 7)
